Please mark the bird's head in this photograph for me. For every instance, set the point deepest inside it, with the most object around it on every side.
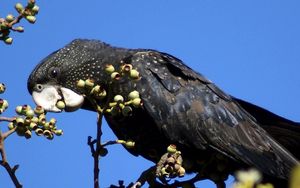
(56, 76)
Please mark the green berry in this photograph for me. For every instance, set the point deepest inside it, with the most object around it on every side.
(2, 88)
(133, 95)
(134, 74)
(118, 98)
(38, 110)
(171, 149)
(136, 102)
(3, 104)
(80, 83)
(47, 133)
(19, 29)
(89, 83)
(29, 113)
(33, 126)
(109, 69)
(19, 121)
(115, 76)
(58, 132)
(21, 131)
(35, 119)
(60, 105)
(19, 7)
(127, 111)
(39, 132)
(35, 9)
(127, 67)
(46, 126)
(11, 126)
(27, 134)
(9, 18)
(8, 40)
(19, 110)
(31, 19)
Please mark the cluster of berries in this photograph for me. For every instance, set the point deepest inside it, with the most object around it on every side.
(170, 164)
(34, 120)
(6, 24)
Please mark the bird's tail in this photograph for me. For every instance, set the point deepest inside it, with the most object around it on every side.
(284, 131)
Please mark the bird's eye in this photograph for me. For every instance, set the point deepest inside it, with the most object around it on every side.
(53, 72)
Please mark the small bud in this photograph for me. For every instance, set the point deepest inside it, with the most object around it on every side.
(109, 69)
(2, 88)
(19, 7)
(127, 67)
(29, 113)
(60, 105)
(35, 9)
(35, 119)
(31, 19)
(11, 126)
(52, 121)
(48, 134)
(38, 110)
(115, 76)
(80, 83)
(134, 74)
(19, 29)
(133, 95)
(118, 98)
(171, 149)
(9, 18)
(27, 134)
(129, 144)
(103, 152)
(39, 132)
(127, 111)
(8, 40)
(136, 102)
(46, 126)
(58, 132)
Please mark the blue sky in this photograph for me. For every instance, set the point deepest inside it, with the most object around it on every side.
(249, 48)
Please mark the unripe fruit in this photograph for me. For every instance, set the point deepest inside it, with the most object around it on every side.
(33, 126)
(31, 19)
(115, 76)
(80, 83)
(2, 88)
(27, 134)
(19, 7)
(19, 29)
(39, 132)
(52, 121)
(96, 89)
(19, 110)
(3, 104)
(9, 18)
(136, 102)
(134, 74)
(171, 149)
(58, 132)
(109, 69)
(118, 98)
(47, 133)
(181, 172)
(39, 110)
(127, 67)
(35, 119)
(19, 121)
(8, 40)
(89, 83)
(60, 105)
(11, 126)
(133, 95)
(29, 113)
(35, 9)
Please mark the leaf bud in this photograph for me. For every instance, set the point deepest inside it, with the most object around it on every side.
(35, 9)
(31, 19)
(9, 18)
(19, 7)
(129, 144)
(19, 29)
(103, 152)
(8, 40)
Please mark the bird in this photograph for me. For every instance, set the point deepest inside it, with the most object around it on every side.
(216, 133)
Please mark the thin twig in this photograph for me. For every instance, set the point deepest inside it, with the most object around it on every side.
(8, 119)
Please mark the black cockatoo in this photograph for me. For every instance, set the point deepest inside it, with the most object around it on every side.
(180, 107)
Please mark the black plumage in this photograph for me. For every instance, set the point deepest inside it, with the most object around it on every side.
(181, 107)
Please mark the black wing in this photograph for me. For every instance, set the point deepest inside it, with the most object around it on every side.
(191, 110)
